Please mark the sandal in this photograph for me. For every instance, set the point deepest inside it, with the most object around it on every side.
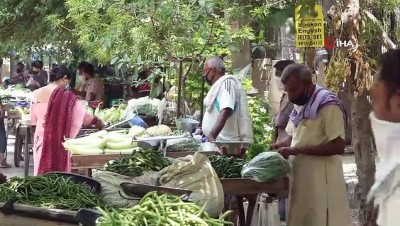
(4, 165)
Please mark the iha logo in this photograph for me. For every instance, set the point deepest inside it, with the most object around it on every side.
(331, 43)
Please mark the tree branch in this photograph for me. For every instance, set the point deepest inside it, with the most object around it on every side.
(386, 41)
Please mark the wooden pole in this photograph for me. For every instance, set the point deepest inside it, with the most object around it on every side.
(178, 114)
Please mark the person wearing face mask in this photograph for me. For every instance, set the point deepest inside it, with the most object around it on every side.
(385, 123)
(316, 131)
(57, 114)
(39, 76)
(93, 90)
(285, 106)
(226, 117)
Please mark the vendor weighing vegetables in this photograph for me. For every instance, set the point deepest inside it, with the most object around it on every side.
(316, 140)
(226, 117)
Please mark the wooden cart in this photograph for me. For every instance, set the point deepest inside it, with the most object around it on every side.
(23, 145)
(240, 188)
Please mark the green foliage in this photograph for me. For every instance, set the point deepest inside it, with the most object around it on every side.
(262, 130)
(27, 24)
(144, 32)
(147, 32)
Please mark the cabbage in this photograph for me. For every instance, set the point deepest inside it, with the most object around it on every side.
(266, 167)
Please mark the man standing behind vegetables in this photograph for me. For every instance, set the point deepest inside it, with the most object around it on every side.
(226, 117)
(93, 90)
(316, 140)
(285, 106)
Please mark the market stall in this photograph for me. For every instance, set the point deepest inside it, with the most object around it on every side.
(246, 189)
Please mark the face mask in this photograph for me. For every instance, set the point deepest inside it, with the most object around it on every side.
(386, 134)
(208, 81)
(301, 100)
(68, 87)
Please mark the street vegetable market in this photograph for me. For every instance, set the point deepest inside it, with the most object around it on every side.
(199, 113)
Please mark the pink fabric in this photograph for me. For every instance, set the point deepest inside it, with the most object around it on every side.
(38, 113)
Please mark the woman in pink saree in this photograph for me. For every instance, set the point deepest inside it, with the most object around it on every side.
(57, 114)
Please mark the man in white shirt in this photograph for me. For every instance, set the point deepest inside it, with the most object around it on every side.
(226, 117)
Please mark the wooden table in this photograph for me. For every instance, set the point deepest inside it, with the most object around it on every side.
(244, 188)
(89, 162)
(23, 144)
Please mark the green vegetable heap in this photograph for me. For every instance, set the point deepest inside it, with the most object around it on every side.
(227, 167)
(6, 193)
(51, 191)
(138, 162)
(161, 210)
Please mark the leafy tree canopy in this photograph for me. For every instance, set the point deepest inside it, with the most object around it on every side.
(35, 25)
(148, 31)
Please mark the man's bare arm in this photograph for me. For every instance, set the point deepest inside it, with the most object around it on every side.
(286, 142)
(219, 125)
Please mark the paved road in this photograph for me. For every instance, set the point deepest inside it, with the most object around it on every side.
(15, 171)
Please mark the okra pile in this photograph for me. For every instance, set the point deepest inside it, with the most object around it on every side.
(137, 163)
(52, 191)
(227, 167)
(154, 209)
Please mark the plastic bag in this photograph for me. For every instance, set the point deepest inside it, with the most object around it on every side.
(265, 167)
(144, 106)
(110, 188)
(195, 173)
(265, 214)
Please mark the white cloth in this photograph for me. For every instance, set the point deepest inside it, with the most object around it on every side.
(275, 91)
(227, 92)
(386, 190)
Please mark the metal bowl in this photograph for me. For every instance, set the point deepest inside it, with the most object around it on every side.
(187, 124)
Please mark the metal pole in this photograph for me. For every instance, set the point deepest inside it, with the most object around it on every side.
(202, 102)
(178, 114)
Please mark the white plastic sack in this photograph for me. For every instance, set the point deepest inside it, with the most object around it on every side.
(195, 173)
(110, 188)
(265, 214)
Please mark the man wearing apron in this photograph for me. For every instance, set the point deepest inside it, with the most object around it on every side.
(316, 140)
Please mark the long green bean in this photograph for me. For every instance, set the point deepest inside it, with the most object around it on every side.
(52, 191)
(138, 162)
(161, 210)
(227, 167)
(6, 193)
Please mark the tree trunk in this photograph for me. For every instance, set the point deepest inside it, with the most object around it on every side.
(365, 158)
(346, 25)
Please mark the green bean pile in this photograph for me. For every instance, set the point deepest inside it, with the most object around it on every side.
(138, 162)
(227, 167)
(161, 210)
(52, 191)
(6, 193)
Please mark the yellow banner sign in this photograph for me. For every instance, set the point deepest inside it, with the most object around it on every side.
(309, 27)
